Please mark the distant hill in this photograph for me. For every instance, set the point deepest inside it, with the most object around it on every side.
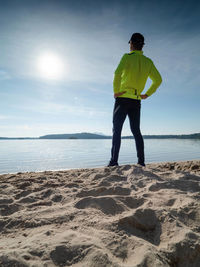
(75, 136)
(182, 136)
(100, 136)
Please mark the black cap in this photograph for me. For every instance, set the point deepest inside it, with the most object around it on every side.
(137, 38)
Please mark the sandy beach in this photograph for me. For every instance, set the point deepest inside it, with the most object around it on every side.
(123, 216)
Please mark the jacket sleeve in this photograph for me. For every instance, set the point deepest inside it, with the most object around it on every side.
(156, 78)
(118, 74)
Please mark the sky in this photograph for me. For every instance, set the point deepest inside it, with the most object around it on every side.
(57, 63)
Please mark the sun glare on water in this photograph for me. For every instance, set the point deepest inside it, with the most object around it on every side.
(50, 66)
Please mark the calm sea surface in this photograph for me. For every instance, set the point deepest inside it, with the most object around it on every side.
(40, 155)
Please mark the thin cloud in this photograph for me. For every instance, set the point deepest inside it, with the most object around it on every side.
(5, 117)
(4, 75)
(53, 108)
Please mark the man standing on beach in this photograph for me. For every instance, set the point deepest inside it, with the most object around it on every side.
(129, 82)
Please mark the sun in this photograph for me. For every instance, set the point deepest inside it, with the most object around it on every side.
(50, 66)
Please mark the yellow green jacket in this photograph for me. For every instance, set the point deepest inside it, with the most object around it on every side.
(132, 73)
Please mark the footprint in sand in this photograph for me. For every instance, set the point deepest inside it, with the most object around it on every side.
(71, 185)
(95, 176)
(142, 223)
(182, 185)
(23, 185)
(46, 193)
(170, 202)
(115, 178)
(101, 259)
(190, 216)
(8, 209)
(6, 261)
(37, 253)
(23, 194)
(29, 199)
(107, 205)
(102, 191)
(158, 186)
(11, 223)
(131, 202)
(103, 183)
(67, 255)
(57, 198)
(6, 201)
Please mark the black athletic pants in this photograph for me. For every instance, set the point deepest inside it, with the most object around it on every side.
(123, 107)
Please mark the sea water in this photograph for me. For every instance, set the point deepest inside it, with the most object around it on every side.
(55, 154)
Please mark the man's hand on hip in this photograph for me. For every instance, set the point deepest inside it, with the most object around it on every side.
(119, 94)
(143, 96)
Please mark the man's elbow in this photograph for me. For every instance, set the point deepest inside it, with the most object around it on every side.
(159, 81)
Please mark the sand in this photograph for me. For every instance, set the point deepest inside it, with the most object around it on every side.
(123, 216)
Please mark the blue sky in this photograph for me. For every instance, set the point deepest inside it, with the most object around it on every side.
(89, 38)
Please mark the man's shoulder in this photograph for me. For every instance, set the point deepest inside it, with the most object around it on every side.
(147, 59)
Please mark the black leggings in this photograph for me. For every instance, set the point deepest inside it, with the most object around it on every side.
(122, 108)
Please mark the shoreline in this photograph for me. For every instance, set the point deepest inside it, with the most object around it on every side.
(99, 167)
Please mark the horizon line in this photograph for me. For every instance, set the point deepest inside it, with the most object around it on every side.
(100, 135)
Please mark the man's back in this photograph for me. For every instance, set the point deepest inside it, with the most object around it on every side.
(132, 73)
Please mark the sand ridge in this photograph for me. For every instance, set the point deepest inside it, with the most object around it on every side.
(123, 216)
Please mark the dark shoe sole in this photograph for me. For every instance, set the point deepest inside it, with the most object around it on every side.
(141, 164)
(112, 165)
